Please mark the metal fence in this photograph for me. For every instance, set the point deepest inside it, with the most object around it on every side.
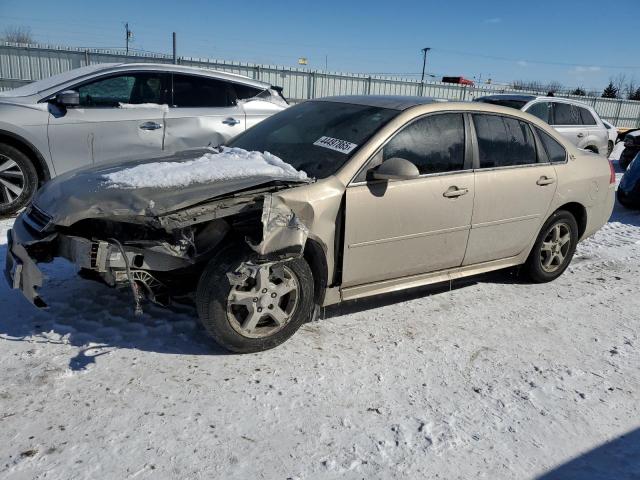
(21, 64)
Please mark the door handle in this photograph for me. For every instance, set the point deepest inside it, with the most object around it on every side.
(580, 135)
(453, 192)
(231, 121)
(150, 126)
(542, 181)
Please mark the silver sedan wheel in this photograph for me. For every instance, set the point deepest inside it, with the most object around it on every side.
(266, 304)
(555, 247)
(11, 180)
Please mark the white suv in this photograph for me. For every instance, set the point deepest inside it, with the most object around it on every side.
(107, 112)
(577, 121)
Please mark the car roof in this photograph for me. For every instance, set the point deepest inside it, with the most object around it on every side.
(509, 96)
(395, 102)
(168, 67)
(49, 84)
(528, 98)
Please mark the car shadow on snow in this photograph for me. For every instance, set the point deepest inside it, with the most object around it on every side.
(95, 317)
(618, 459)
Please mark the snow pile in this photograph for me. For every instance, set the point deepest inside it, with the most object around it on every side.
(230, 163)
(132, 106)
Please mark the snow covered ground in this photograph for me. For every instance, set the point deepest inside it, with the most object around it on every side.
(496, 378)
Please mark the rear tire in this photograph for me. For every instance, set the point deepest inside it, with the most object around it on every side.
(610, 147)
(280, 301)
(554, 248)
(625, 202)
(18, 179)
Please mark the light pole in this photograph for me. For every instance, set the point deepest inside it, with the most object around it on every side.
(424, 61)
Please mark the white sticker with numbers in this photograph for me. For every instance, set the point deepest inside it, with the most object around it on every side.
(336, 144)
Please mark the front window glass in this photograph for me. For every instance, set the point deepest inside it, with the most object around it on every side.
(131, 88)
(541, 110)
(316, 137)
(504, 141)
(434, 144)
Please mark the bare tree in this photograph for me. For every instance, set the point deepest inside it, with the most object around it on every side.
(630, 88)
(619, 82)
(553, 87)
(18, 34)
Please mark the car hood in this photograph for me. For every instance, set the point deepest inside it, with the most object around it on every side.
(86, 193)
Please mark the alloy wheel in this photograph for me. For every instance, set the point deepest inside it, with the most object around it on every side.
(266, 302)
(12, 181)
(555, 247)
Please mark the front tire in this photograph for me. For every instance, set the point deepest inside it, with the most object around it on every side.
(261, 312)
(18, 179)
(554, 248)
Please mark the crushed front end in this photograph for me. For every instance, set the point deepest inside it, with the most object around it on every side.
(157, 257)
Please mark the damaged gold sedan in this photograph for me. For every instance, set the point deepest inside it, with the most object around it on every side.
(330, 200)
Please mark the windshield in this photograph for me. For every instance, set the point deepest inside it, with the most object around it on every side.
(504, 102)
(53, 81)
(316, 137)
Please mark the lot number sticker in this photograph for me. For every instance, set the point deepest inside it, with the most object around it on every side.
(336, 144)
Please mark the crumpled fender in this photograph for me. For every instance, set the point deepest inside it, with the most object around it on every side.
(283, 233)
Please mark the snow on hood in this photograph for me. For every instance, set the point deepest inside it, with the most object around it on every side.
(230, 163)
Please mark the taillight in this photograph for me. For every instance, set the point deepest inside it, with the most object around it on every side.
(612, 178)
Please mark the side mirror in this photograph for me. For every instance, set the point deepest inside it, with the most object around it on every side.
(68, 98)
(396, 169)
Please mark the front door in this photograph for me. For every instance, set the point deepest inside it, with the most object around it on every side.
(119, 117)
(204, 112)
(513, 189)
(398, 228)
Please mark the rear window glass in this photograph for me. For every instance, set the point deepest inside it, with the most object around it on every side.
(587, 118)
(244, 92)
(504, 141)
(566, 114)
(195, 91)
(555, 152)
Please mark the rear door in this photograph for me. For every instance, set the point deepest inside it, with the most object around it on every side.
(119, 116)
(514, 186)
(567, 120)
(203, 112)
(597, 135)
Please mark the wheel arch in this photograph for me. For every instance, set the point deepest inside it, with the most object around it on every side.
(315, 256)
(579, 212)
(30, 151)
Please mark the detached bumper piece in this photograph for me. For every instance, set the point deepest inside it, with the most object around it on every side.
(22, 272)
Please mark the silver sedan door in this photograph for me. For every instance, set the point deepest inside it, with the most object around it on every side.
(203, 112)
(119, 117)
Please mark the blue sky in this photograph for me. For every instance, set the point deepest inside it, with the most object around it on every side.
(579, 43)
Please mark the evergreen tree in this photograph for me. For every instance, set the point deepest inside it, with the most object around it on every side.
(610, 92)
(635, 95)
(579, 91)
